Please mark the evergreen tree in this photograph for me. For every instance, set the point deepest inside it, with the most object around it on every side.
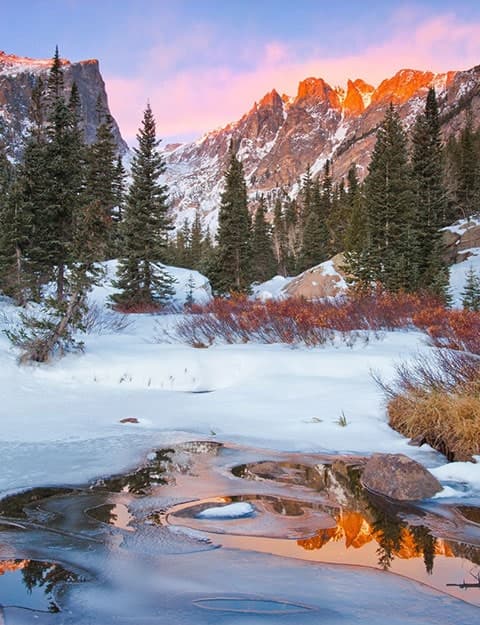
(315, 242)
(292, 226)
(142, 281)
(263, 258)
(391, 251)
(53, 182)
(471, 291)
(103, 178)
(468, 171)
(13, 232)
(430, 198)
(356, 235)
(119, 190)
(280, 238)
(196, 241)
(231, 270)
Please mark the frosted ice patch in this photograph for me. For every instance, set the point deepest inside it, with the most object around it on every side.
(237, 510)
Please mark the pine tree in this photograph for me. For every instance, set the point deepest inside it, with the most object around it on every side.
(142, 280)
(53, 182)
(263, 258)
(391, 250)
(468, 171)
(231, 270)
(315, 240)
(52, 329)
(430, 198)
(292, 220)
(12, 233)
(196, 241)
(280, 238)
(119, 190)
(104, 181)
(356, 235)
(471, 291)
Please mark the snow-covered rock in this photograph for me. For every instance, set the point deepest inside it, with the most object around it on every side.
(238, 510)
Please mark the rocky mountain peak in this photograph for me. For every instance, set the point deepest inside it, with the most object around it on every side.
(317, 89)
(282, 135)
(353, 103)
(18, 76)
(271, 100)
(403, 85)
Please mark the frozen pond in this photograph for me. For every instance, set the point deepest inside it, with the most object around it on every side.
(208, 533)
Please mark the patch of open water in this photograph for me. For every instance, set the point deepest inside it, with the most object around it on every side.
(304, 508)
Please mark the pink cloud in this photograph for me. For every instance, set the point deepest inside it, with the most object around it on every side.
(199, 98)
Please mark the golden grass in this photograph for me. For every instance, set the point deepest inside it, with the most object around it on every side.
(448, 421)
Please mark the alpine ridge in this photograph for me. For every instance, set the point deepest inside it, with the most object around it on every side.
(281, 136)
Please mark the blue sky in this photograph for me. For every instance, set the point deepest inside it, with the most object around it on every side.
(202, 63)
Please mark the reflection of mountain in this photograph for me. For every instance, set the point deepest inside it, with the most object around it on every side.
(7, 566)
(356, 531)
(364, 518)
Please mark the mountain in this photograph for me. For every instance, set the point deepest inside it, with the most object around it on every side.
(18, 75)
(281, 135)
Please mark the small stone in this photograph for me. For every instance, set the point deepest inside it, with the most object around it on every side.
(399, 477)
(129, 420)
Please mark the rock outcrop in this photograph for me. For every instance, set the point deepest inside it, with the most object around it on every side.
(399, 477)
(324, 280)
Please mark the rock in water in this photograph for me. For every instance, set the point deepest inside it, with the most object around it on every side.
(399, 477)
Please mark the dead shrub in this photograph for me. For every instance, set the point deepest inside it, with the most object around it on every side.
(448, 421)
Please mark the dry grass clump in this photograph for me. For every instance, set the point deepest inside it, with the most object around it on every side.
(436, 400)
(449, 422)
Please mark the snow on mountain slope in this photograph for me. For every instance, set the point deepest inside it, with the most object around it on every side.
(281, 135)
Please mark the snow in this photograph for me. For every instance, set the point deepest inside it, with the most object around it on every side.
(61, 421)
(231, 511)
(459, 272)
(460, 226)
(271, 289)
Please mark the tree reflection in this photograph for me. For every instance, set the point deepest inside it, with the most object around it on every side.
(46, 575)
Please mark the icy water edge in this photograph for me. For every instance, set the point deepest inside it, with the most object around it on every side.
(210, 533)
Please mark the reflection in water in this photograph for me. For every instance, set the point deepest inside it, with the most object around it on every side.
(140, 481)
(31, 583)
(14, 505)
(115, 514)
(368, 530)
(316, 512)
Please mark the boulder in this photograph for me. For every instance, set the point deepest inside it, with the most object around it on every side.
(399, 477)
(460, 238)
(324, 280)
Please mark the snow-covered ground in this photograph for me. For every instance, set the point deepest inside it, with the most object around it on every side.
(60, 423)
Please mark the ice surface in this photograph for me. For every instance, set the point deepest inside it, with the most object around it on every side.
(231, 511)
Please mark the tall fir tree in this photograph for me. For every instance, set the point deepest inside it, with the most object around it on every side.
(430, 198)
(471, 291)
(468, 171)
(13, 233)
(315, 240)
(142, 280)
(196, 241)
(263, 258)
(231, 268)
(53, 182)
(280, 238)
(391, 252)
(356, 234)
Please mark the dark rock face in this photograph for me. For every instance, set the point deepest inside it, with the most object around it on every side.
(280, 136)
(399, 477)
(18, 76)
